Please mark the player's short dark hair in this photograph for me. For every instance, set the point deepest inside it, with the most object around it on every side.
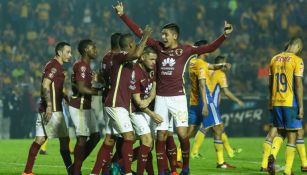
(292, 41)
(60, 46)
(219, 59)
(172, 26)
(201, 42)
(115, 40)
(125, 40)
(148, 50)
(83, 44)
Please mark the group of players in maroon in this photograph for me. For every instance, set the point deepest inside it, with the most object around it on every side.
(143, 95)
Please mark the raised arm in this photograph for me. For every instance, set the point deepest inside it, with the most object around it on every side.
(215, 44)
(119, 8)
(219, 66)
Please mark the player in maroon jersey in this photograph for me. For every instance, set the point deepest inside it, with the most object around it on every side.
(117, 104)
(50, 122)
(171, 99)
(80, 104)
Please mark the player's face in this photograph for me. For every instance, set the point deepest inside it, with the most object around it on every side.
(65, 54)
(92, 51)
(149, 60)
(169, 37)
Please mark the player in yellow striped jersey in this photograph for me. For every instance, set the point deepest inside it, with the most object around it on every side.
(218, 84)
(286, 98)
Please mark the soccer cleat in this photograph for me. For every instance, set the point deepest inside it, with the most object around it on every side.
(185, 171)
(175, 173)
(197, 156)
(263, 169)
(304, 169)
(271, 165)
(42, 152)
(27, 173)
(115, 168)
(225, 166)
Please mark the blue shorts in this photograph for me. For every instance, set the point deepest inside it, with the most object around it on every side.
(214, 117)
(195, 116)
(286, 118)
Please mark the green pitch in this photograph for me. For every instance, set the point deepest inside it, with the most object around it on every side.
(13, 155)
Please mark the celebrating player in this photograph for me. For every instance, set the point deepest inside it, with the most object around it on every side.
(80, 104)
(50, 122)
(171, 99)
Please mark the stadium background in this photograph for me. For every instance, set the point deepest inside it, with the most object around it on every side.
(30, 28)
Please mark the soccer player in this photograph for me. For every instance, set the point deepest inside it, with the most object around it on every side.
(171, 99)
(217, 83)
(117, 104)
(286, 98)
(143, 117)
(50, 122)
(80, 104)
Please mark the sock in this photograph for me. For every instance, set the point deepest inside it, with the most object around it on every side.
(127, 154)
(290, 153)
(103, 158)
(267, 145)
(171, 152)
(66, 157)
(34, 148)
(78, 158)
(142, 158)
(118, 151)
(44, 146)
(149, 165)
(276, 144)
(300, 147)
(160, 154)
(218, 144)
(226, 145)
(179, 154)
(90, 144)
(136, 153)
(198, 141)
(185, 147)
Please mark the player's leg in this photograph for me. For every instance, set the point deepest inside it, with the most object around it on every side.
(173, 153)
(198, 141)
(178, 109)
(292, 126)
(267, 144)
(65, 153)
(161, 108)
(300, 147)
(43, 150)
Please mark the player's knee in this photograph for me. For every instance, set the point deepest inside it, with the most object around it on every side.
(128, 136)
(109, 140)
(162, 135)
(146, 140)
(300, 134)
(40, 140)
(81, 140)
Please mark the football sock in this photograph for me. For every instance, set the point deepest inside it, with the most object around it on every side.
(160, 154)
(185, 147)
(277, 142)
(171, 152)
(198, 141)
(218, 144)
(44, 146)
(31, 157)
(66, 157)
(103, 158)
(149, 165)
(267, 145)
(78, 157)
(290, 153)
(300, 147)
(127, 154)
(142, 158)
(227, 146)
(90, 144)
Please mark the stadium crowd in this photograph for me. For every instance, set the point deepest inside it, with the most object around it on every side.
(30, 29)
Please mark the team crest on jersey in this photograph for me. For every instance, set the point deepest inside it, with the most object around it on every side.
(178, 52)
(169, 61)
(132, 77)
(83, 68)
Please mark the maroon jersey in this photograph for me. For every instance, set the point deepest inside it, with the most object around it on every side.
(122, 82)
(53, 71)
(143, 83)
(81, 72)
(171, 62)
(106, 65)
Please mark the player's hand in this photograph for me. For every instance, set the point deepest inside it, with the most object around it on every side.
(227, 28)
(300, 113)
(156, 118)
(47, 115)
(227, 66)
(204, 111)
(119, 8)
(147, 31)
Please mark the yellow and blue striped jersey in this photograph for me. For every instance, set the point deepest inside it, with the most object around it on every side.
(198, 70)
(218, 80)
(283, 68)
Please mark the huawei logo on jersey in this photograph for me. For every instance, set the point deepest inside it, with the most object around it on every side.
(169, 61)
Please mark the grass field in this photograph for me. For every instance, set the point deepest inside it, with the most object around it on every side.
(13, 154)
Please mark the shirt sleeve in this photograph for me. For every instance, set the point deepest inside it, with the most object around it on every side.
(299, 68)
(208, 48)
(223, 80)
(50, 72)
(201, 70)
